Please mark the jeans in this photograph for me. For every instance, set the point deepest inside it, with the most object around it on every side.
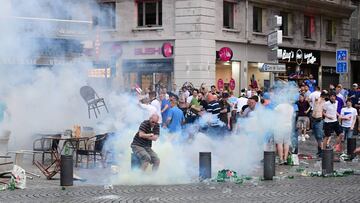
(347, 132)
(317, 127)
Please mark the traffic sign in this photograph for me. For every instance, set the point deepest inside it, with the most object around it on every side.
(274, 38)
(342, 55)
(341, 67)
(266, 67)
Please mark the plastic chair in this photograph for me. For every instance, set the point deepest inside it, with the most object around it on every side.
(92, 99)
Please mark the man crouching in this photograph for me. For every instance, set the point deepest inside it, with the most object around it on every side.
(149, 131)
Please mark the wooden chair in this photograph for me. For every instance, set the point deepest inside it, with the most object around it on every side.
(92, 99)
(92, 149)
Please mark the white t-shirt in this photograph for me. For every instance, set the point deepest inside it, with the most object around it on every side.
(313, 96)
(150, 109)
(188, 100)
(348, 113)
(155, 103)
(330, 110)
(241, 102)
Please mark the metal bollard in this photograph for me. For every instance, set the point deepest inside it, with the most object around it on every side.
(351, 146)
(204, 165)
(327, 161)
(66, 171)
(269, 165)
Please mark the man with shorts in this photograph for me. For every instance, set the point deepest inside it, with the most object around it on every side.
(331, 123)
(149, 131)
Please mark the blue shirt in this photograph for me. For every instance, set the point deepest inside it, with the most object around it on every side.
(177, 117)
(311, 84)
(164, 114)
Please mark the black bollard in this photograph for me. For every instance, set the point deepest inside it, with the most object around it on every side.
(204, 165)
(269, 165)
(351, 146)
(327, 161)
(66, 171)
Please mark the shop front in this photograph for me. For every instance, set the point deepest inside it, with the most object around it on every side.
(227, 70)
(300, 64)
(148, 65)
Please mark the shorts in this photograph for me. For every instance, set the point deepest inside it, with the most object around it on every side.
(331, 127)
(303, 121)
(282, 137)
(145, 154)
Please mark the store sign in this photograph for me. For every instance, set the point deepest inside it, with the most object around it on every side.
(232, 84)
(300, 56)
(225, 54)
(220, 84)
(266, 67)
(147, 51)
(167, 49)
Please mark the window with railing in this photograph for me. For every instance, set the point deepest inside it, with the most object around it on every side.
(330, 30)
(257, 19)
(309, 27)
(228, 15)
(149, 13)
(286, 23)
(107, 15)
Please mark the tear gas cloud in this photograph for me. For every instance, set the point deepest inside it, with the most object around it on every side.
(48, 99)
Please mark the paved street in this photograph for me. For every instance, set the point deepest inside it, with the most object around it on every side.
(283, 189)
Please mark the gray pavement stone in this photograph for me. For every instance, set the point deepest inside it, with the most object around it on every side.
(304, 189)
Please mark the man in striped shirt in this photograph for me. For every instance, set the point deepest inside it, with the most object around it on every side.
(149, 131)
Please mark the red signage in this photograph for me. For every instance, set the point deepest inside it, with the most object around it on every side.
(220, 84)
(232, 84)
(167, 49)
(225, 54)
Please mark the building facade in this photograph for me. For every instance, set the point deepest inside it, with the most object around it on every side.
(161, 42)
(355, 43)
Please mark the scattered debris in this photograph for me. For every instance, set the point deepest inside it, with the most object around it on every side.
(157, 199)
(108, 187)
(227, 190)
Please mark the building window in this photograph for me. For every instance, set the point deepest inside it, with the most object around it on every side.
(257, 19)
(285, 27)
(309, 26)
(107, 16)
(228, 14)
(330, 30)
(149, 13)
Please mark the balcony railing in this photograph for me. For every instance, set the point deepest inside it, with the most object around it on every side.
(51, 27)
(355, 46)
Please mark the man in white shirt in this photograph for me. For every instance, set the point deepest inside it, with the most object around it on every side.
(348, 118)
(314, 95)
(156, 103)
(331, 123)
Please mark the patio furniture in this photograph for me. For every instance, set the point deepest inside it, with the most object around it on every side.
(44, 145)
(92, 99)
(92, 149)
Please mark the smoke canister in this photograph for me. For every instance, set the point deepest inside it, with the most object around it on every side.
(327, 161)
(351, 146)
(269, 165)
(204, 165)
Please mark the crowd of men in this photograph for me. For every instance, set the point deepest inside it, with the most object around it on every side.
(322, 111)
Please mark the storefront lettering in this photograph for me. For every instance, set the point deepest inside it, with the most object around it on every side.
(300, 56)
(147, 51)
(310, 59)
(287, 55)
